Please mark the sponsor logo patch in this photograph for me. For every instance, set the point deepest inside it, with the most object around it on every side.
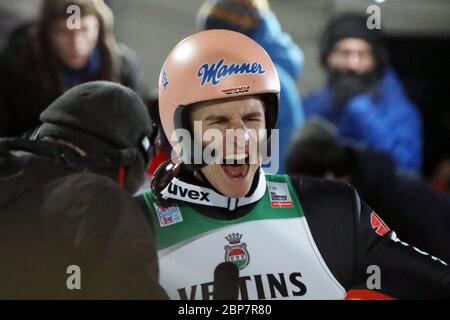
(237, 90)
(378, 225)
(168, 216)
(280, 196)
(191, 194)
(214, 73)
(236, 252)
(164, 80)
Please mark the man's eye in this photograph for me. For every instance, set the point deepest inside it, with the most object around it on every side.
(217, 122)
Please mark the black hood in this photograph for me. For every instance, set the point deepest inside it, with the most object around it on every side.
(21, 169)
(24, 164)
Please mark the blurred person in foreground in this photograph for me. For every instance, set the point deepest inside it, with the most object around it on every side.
(45, 58)
(363, 96)
(256, 20)
(419, 214)
(66, 200)
(281, 237)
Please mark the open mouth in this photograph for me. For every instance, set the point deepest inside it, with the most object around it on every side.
(236, 166)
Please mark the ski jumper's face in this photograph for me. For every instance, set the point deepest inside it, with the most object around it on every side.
(74, 47)
(238, 121)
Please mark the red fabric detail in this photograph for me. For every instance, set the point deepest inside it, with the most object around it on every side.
(121, 177)
(365, 294)
(378, 225)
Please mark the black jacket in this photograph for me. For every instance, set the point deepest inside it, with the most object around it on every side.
(419, 214)
(54, 214)
(350, 241)
(350, 238)
(28, 83)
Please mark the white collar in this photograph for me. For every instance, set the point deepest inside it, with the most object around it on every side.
(183, 191)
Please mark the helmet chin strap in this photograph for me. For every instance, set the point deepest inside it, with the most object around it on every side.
(201, 176)
(187, 192)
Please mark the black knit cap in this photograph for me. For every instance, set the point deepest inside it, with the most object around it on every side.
(101, 117)
(353, 25)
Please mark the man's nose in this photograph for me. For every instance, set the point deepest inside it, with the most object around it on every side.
(77, 42)
(353, 62)
(239, 129)
(238, 135)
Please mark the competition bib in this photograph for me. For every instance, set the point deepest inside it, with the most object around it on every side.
(272, 246)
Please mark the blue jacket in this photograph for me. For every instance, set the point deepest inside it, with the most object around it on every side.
(385, 120)
(288, 60)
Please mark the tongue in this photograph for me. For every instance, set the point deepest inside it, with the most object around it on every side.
(234, 170)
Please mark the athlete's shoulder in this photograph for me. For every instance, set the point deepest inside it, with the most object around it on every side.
(331, 209)
(314, 185)
(322, 197)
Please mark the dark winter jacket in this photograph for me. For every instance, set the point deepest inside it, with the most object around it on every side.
(419, 214)
(386, 120)
(54, 214)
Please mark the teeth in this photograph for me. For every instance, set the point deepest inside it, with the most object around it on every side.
(239, 156)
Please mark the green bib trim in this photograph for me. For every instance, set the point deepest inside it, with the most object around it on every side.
(194, 223)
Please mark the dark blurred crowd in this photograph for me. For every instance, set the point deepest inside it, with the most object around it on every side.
(360, 127)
